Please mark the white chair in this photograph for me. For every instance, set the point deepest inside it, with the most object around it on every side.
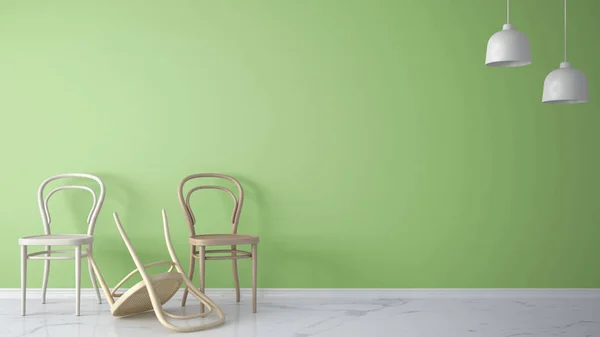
(49, 239)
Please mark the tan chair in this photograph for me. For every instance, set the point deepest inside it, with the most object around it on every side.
(154, 291)
(204, 240)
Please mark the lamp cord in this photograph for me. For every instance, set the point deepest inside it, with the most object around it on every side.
(507, 11)
(565, 33)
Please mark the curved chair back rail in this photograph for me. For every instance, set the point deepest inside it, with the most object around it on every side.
(97, 201)
(185, 200)
(155, 290)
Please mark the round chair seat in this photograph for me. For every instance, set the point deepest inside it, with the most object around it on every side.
(56, 240)
(223, 239)
(137, 300)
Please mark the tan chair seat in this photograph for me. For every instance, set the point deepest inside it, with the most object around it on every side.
(137, 300)
(223, 239)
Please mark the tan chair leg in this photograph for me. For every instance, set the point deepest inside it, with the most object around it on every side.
(254, 272)
(202, 272)
(190, 275)
(236, 279)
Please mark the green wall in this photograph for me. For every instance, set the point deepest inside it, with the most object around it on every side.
(375, 147)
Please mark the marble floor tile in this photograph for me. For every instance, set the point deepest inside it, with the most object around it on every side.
(305, 317)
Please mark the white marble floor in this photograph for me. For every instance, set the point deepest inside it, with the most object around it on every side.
(304, 317)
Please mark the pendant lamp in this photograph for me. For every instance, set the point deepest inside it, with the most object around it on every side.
(508, 47)
(565, 85)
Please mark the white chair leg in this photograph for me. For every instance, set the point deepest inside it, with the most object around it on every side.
(92, 276)
(254, 274)
(46, 274)
(23, 278)
(77, 278)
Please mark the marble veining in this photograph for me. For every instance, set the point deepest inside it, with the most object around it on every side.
(308, 317)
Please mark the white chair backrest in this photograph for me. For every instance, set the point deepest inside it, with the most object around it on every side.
(96, 205)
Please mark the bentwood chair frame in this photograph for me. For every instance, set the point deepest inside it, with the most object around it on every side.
(48, 239)
(155, 290)
(198, 243)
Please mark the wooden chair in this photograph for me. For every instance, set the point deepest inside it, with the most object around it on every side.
(48, 239)
(204, 240)
(154, 291)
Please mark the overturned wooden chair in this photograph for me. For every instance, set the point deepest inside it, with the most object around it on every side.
(154, 291)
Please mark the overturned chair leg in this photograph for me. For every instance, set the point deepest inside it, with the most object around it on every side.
(190, 275)
(212, 307)
(92, 276)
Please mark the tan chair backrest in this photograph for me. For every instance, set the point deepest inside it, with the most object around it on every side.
(96, 204)
(185, 200)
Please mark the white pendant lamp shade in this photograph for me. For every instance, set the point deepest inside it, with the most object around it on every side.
(566, 85)
(508, 48)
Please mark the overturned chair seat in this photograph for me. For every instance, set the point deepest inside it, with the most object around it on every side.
(155, 290)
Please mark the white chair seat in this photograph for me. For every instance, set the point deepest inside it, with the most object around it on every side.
(56, 240)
